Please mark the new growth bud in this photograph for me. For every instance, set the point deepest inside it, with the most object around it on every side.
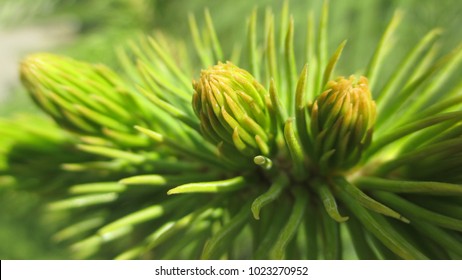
(234, 111)
(82, 97)
(342, 120)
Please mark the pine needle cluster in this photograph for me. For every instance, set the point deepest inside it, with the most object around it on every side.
(262, 153)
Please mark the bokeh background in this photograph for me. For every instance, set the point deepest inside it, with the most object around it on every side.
(90, 30)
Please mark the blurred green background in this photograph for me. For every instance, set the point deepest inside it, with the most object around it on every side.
(89, 30)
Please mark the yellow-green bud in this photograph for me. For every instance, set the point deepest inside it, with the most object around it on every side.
(342, 120)
(234, 111)
(81, 97)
